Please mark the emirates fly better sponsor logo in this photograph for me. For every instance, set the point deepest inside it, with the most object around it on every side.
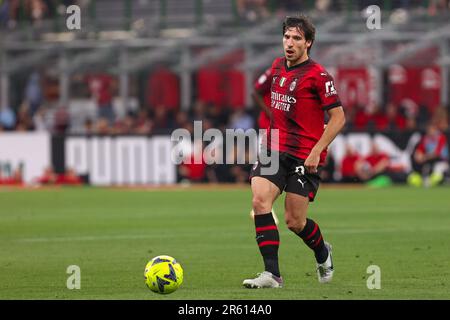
(282, 101)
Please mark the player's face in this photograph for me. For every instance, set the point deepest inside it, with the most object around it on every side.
(295, 46)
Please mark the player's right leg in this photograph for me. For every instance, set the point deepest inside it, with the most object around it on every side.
(265, 193)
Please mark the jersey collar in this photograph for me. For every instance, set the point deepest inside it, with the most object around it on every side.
(296, 66)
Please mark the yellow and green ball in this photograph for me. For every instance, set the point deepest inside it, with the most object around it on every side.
(163, 274)
(415, 179)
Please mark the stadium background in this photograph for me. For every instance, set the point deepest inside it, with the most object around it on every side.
(97, 106)
(146, 67)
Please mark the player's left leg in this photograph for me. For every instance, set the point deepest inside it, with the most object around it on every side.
(296, 207)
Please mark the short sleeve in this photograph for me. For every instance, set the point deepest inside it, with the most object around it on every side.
(327, 92)
(264, 81)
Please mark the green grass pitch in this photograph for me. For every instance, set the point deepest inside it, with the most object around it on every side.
(112, 233)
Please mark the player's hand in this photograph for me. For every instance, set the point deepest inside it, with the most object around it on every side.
(312, 162)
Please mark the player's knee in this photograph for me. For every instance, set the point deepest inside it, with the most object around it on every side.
(261, 205)
(295, 225)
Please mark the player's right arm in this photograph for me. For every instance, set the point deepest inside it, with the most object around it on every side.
(261, 88)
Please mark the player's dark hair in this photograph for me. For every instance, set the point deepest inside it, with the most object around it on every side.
(303, 24)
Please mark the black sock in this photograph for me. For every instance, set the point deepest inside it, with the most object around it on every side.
(268, 241)
(312, 237)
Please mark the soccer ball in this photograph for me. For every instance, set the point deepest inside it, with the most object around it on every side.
(163, 274)
(415, 180)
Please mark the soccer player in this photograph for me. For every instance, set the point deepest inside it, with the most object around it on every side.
(301, 92)
(430, 158)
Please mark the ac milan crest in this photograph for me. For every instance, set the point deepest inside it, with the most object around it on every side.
(293, 84)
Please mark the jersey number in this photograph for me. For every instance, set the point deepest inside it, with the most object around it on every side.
(300, 170)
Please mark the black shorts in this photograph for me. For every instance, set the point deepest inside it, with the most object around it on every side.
(291, 176)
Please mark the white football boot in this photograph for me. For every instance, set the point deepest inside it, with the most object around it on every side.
(325, 270)
(264, 280)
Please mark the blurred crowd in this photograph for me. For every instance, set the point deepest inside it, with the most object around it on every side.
(14, 177)
(254, 10)
(407, 116)
(35, 11)
(429, 163)
(32, 11)
(35, 114)
(160, 120)
(38, 110)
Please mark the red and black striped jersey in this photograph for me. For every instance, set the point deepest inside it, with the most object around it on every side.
(300, 95)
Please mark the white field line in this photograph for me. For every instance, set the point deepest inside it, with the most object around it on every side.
(167, 235)
(93, 238)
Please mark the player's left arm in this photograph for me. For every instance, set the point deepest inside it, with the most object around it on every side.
(335, 124)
